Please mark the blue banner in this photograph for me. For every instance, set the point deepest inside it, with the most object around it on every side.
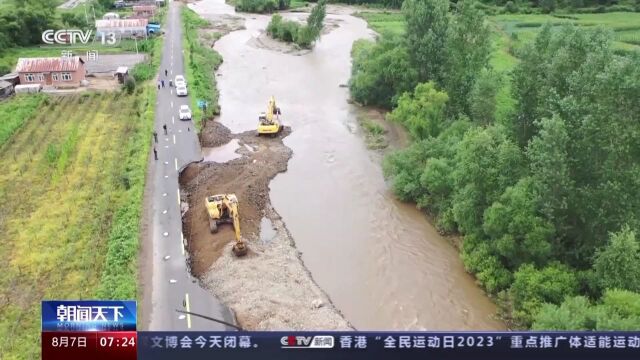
(89, 316)
(388, 345)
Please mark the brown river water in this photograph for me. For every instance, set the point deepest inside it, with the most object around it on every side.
(381, 262)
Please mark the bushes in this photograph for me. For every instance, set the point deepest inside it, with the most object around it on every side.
(285, 30)
(262, 6)
(511, 7)
(129, 85)
(548, 6)
(532, 287)
(381, 71)
(618, 310)
(422, 112)
(617, 265)
(291, 31)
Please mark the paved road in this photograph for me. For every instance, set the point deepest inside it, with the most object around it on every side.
(171, 285)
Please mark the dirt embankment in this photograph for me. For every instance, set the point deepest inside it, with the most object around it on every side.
(269, 289)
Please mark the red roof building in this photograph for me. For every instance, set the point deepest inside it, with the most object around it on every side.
(53, 71)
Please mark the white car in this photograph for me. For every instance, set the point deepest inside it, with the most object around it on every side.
(180, 81)
(185, 112)
(181, 91)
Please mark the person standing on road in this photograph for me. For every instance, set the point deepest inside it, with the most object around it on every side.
(162, 83)
(164, 127)
(155, 153)
(165, 72)
(155, 136)
(158, 84)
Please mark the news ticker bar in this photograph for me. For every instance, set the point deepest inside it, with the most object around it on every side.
(190, 345)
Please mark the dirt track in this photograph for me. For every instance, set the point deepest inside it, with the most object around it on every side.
(269, 289)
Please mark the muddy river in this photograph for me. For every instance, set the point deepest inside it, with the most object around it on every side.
(381, 262)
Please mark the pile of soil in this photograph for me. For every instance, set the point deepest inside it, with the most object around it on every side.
(248, 177)
(214, 134)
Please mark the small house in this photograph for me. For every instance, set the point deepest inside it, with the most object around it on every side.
(52, 71)
(144, 11)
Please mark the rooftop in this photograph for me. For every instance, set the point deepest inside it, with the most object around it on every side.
(48, 64)
(121, 23)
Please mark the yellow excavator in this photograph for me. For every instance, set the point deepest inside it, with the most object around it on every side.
(223, 208)
(269, 122)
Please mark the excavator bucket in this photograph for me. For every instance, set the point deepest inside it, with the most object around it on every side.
(240, 249)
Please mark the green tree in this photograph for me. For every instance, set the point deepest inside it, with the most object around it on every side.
(381, 72)
(488, 269)
(527, 86)
(468, 48)
(517, 232)
(487, 162)
(575, 313)
(426, 35)
(316, 18)
(422, 112)
(482, 98)
(532, 288)
(618, 310)
(549, 162)
(548, 6)
(617, 265)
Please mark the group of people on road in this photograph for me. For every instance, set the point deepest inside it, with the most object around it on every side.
(164, 127)
(161, 81)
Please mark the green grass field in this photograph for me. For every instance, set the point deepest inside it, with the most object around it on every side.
(384, 21)
(625, 25)
(71, 191)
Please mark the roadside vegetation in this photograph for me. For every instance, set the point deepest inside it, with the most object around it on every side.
(202, 61)
(527, 145)
(292, 31)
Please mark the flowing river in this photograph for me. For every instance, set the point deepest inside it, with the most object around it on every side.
(381, 262)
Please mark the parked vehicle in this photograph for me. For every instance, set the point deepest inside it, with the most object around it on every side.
(185, 112)
(181, 91)
(180, 81)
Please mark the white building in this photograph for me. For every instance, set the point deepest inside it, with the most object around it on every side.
(122, 28)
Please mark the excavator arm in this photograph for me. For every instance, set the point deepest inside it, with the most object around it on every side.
(240, 249)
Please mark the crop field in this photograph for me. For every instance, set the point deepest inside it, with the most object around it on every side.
(71, 191)
(625, 25)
